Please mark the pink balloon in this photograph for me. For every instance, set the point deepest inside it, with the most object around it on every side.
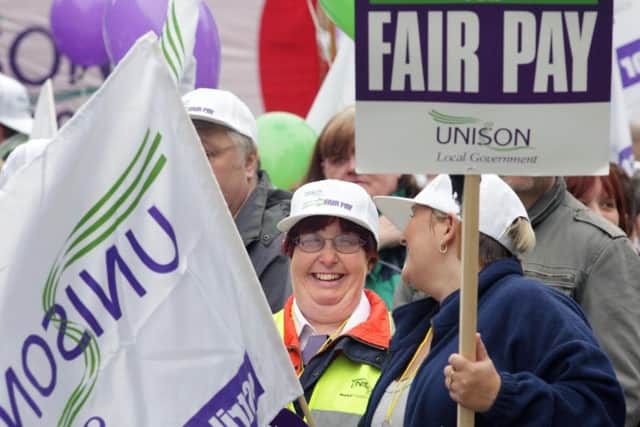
(76, 27)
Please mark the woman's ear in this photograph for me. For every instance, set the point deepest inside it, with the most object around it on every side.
(451, 231)
(458, 245)
(371, 263)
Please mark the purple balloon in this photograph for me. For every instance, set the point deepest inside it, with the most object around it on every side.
(126, 20)
(76, 27)
(207, 49)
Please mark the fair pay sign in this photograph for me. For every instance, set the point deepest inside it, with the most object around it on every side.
(522, 48)
(482, 85)
(513, 87)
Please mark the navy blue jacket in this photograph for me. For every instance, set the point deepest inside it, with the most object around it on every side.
(552, 369)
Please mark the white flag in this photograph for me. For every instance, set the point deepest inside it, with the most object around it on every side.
(45, 124)
(126, 296)
(338, 89)
(45, 127)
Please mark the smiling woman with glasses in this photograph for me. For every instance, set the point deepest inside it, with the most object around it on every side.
(333, 157)
(335, 331)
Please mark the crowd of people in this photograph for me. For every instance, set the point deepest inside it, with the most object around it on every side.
(362, 273)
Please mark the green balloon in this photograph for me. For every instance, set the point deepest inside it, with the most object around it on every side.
(285, 145)
(343, 13)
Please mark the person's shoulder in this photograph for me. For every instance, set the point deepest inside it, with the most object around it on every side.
(519, 287)
(516, 287)
(413, 315)
(530, 297)
(588, 221)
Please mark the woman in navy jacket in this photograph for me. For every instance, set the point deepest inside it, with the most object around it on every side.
(537, 362)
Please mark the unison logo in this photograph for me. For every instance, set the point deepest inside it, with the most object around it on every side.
(81, 338)
(474, 131)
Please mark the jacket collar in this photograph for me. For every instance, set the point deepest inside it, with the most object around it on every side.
(305, 329)
(547, 203)
(249, 219)
(413, 320)
(375, 331)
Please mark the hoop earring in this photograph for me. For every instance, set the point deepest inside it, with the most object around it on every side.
(443, 248)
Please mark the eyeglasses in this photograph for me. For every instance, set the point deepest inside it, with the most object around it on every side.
(343, 243)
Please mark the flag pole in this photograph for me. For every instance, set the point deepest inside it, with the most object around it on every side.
(305, 410)
(333, 49)
(469, 285)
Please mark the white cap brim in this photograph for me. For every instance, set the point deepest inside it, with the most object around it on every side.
(207, 118)
(288, 223)
(20, 124)
(396, 209)
(438, 195)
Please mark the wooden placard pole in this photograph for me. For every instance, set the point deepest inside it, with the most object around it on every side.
(333, 45)
(469, 285)
(305, 410)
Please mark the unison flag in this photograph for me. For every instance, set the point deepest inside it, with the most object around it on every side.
(126, 295)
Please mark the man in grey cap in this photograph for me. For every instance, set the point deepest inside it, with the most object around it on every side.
(227, 130)
(15, 116)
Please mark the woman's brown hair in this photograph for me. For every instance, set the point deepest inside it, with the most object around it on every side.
(337, 143)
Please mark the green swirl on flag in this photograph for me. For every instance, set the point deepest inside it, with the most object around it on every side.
(95, 226)
(172, 44)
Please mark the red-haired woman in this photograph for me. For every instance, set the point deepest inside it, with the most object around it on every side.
(603, 194)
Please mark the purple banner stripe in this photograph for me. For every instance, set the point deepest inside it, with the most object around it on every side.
(235, 404)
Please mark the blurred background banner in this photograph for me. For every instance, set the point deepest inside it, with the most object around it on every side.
(626, 40)
(28, 54)
(273, 52)
(625, 81)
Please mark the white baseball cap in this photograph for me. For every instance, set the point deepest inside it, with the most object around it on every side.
(332, 197)
(221, 107)
(15, 108)
(438, 194)
(500, 206)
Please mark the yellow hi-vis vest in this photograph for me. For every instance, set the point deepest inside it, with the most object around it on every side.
(340, 395)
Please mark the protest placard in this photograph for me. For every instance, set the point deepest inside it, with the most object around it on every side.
(509, 87)
(513, 87)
